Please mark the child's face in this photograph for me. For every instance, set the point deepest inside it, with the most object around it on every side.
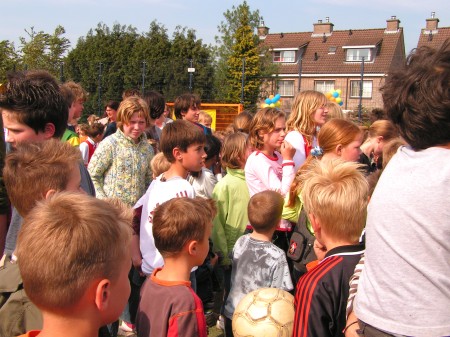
(18, 132)
(352, 151)
(76, 109)
(135, 127)
(194, 158)
(120, 290)
(320, 115)
(192, 114)
(274, 139)
(74, 182)
(112, 114)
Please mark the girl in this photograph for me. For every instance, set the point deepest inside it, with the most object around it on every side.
(338, 138)
(120, 166)
(266, 168)
(380, 132)
(231, 195)
(309, 112)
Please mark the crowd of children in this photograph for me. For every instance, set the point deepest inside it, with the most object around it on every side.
(150, 223)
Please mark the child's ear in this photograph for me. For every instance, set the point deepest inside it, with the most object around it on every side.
(339, 149)
(177, 153)
(49, 130)
(49, 193)
(315, 224)
(102, 294)
(192, 247)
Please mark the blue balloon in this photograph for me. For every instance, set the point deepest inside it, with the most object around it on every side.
(341, 103)
(268, 101)
(276, 98)
(335, 94)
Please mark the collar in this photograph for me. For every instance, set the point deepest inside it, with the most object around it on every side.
(156, 280)
(357, 249)
(275, 158)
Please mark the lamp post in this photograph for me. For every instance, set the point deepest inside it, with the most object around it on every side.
(243, 81)
(191, 71)
(361, 90)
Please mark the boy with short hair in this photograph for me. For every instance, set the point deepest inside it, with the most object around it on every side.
(335, 195)
(80, 280)
(256, 261)
(187, 107)
(183, 146)
(75, 97)
(36, 120)
(33, 172)
(94, 135)
(169, 306)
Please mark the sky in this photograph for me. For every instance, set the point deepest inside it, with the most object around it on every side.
(78, 16)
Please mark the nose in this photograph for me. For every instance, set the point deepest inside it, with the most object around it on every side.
(9, 137)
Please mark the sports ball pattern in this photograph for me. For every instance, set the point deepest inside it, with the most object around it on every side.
(265, 312)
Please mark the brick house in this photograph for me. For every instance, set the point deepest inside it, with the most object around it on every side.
(327, 59)
(432, 35)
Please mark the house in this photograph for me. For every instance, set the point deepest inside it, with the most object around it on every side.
(432, 35)
(327, 59)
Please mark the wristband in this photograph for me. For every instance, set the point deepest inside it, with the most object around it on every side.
(348, 326)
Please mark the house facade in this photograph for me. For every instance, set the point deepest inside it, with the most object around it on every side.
(326, 59)
(432, 35)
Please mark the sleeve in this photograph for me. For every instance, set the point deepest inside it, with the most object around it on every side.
(84, 149)
(354, 280)
(297, 142)
(74, 141)
(281, 277)
(209, 182)
(219, 238)
(288, 176)
(100, 163)
(291, 213)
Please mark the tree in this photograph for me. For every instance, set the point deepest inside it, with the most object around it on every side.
(8, 58)
(42, 50)
(228, 28)
(244, 57)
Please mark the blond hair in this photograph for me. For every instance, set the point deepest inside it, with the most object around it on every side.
(204, 117)
(334, 111)
(242, 122)
(77, 90)
(264, 210)
(302, 113)
(35, 168)
(180, 220)
(159, 164)
(128, 107)
(233, 150)
(336, 192)
(263, 121)
(383, 128)
(68, 241)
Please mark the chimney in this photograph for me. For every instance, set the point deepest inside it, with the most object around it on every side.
(432, 23)
(323, 28)
(263, 31)
(392, 24)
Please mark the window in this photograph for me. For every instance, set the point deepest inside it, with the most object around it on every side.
(356, 55)
(286, 88)
(332, 50)
(367, 89)
(284, 56)
(323, 86)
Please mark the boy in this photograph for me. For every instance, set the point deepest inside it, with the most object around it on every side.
(408, 216)
(205, 119)
(183, 146)
(335, 195)
(75, 97)
(187, 107)
(169, 306)
(88, 147)
(80, 280)
(36, 120)
(256, 261)
(33, 172)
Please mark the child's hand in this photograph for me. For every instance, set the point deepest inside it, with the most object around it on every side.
(320, 250)
(287, 150)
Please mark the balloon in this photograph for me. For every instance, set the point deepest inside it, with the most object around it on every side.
(328, 94)
(338, 100)
(276, 98)
(332, 99)
(271, 96)
(278, 104)
(341, 103)
(267, 101)
(272, 105)
(335, 94)
(339, 91)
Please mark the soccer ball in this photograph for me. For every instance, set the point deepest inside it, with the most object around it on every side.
(265, 312)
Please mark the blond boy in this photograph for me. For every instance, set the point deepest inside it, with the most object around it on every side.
(74, 253)
(335, 196)
(33, 172)
(169, 306)
(159, 164)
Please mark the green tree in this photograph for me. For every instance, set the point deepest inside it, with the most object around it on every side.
(41, 50)
(8, 58)
(244, 52)
(227, 40)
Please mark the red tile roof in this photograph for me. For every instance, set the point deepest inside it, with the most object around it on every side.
(390, 52)
(436, 39)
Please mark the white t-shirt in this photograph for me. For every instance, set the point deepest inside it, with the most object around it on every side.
(297, 141)
(157, 193)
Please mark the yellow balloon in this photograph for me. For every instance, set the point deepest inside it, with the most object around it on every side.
(270, 96)
(338, 100)
(339, 91)
(272, 105)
